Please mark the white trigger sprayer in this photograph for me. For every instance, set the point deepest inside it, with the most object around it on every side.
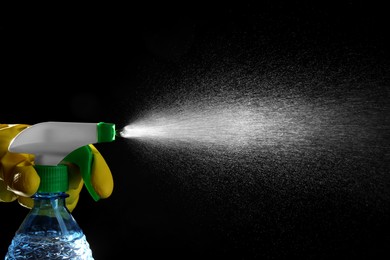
(55, 142)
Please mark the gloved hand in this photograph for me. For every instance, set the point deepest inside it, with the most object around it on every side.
(19, 180)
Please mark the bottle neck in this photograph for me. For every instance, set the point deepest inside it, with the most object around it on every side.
(49, 200)
(49, 216)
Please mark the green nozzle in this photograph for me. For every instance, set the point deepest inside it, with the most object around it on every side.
(105, 132)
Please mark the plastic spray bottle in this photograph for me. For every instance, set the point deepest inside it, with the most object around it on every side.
(49, 231)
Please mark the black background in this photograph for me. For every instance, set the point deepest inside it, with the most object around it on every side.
(108, 63)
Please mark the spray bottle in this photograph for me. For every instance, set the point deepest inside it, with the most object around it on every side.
(49, 231)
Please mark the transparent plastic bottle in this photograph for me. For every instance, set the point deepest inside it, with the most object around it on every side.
(49, 231)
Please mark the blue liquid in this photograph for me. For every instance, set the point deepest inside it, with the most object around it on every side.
(56, 246)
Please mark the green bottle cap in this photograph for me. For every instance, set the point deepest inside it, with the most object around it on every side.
(53, 178)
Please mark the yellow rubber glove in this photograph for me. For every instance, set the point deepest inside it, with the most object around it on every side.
(19, 180)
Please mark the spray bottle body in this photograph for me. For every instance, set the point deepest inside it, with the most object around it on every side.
(49, 231)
